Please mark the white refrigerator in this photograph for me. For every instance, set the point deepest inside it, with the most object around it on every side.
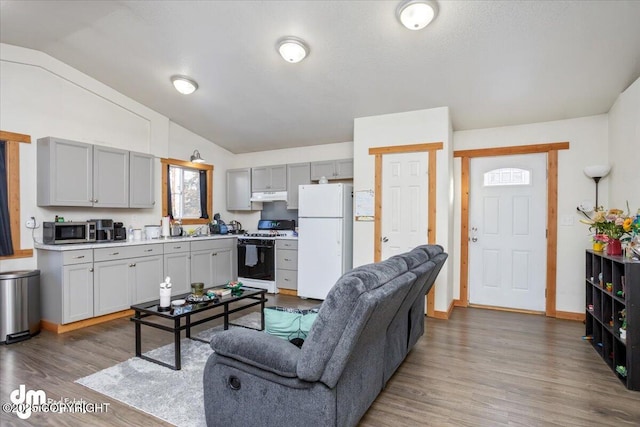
(325, 237)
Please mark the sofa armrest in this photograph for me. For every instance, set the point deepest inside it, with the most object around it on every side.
(258, 349)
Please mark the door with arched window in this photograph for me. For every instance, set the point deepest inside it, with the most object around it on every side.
(507, 224)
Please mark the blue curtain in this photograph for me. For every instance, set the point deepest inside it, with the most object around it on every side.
(203, 194)
(169, 205)
(6, 245)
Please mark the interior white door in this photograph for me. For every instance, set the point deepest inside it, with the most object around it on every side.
(405, 183)
(507, 225)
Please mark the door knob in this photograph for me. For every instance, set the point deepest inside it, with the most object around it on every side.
(385, 240)
(474, 239)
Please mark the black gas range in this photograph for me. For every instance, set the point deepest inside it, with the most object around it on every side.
(256, 253)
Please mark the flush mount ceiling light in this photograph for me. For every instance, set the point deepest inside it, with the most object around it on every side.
(184, 84)
(292, 49)
(416, 14)
(195, 157)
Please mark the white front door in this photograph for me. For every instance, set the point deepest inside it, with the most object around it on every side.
(507, 231)
(405, 182)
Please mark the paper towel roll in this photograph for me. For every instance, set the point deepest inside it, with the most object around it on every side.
(166, 221)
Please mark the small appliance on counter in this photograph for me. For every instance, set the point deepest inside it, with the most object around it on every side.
(104, 229)
(235, 227)
(119, 232)
(218, 226)
(152, 231)
(57, 233)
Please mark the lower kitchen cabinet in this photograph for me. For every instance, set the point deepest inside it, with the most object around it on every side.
(66, 285)
(81, 284)
(287, 264)
(125, 276)
(111, 287)
(177, 265)
(145, 276)
(214, 262)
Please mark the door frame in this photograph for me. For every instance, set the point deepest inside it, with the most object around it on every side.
(430, 148)
(552, 213)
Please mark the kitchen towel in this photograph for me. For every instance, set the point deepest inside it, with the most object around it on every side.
(250, 255)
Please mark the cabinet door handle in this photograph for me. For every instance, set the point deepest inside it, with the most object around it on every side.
(148, 250)
(214, 254)
(132, 265)
(78, 257)
(177, 247)
(95, 201)
(287, 259)
(91, 270)
(286, 280)
(115, 253)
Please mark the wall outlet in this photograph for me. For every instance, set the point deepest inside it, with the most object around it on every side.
(31, 223)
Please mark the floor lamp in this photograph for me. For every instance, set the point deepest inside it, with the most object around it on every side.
(596, 173)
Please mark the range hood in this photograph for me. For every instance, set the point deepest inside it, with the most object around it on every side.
(269, 196)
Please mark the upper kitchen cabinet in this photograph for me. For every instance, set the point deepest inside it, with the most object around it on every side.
(239, 190)
(110, 177)
(141, 188)
(72, 173)
(65, 173)
(332, 169)
(297, 174)
(269, 178)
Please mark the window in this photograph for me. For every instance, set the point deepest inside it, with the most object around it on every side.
(507, 176)
(187, 191)
(12, 165)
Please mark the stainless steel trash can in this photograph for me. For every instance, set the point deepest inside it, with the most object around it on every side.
(19, 305)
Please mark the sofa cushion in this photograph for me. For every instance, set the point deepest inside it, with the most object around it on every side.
(289, 323)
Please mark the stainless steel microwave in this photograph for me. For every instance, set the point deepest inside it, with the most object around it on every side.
(57, 233)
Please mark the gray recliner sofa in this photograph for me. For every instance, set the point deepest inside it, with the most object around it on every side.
(366, 326)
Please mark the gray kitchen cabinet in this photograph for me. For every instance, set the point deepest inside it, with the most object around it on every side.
(66, 285)
(145, 275)
(65, 172)
(177, 265)
(111, 286)
(332, 169)
(72, 173)
(110, 177)
(214, 262)
(297, 174)
(287, 264)
(269, 178)
(126, 275)
(141, 180)
(239, 191)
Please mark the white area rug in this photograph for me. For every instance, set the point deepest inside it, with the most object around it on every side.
(173, 396)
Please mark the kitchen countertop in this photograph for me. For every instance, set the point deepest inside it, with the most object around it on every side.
(121, 243)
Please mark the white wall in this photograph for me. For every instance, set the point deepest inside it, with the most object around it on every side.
(412, 127)
(41, 96)
(624, 150)
(588, 145)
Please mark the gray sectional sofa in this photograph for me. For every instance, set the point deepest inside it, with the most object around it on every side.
(366, 326)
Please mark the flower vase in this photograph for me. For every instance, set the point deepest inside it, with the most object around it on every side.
(614, 247)
(598, 246)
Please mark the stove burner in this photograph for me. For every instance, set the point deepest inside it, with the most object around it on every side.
(273, 234)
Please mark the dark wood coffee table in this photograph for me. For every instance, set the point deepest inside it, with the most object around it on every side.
(250, 297)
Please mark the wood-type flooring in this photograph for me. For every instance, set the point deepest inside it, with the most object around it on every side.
(479, 368)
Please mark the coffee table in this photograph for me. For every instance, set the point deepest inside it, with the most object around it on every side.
(250, 297)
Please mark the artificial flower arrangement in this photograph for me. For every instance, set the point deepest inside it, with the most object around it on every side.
(612, 227)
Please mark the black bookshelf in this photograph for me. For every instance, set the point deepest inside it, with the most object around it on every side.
(603, 320)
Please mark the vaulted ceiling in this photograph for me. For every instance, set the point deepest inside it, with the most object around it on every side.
(494, 63)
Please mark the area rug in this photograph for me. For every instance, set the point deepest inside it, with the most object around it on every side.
(173, 396)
